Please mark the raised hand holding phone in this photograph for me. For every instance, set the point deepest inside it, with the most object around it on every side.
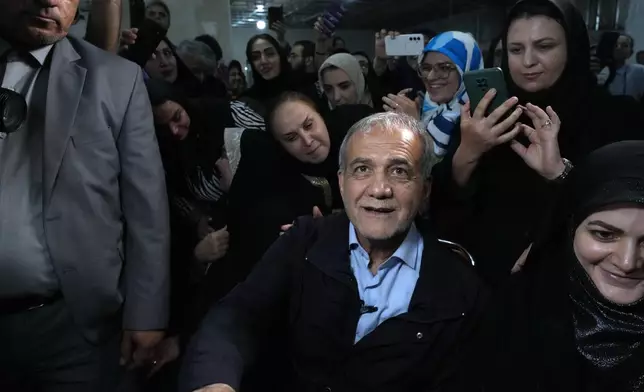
(479, 133)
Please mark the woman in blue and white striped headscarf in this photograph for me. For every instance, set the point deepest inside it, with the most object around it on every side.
(441, 66)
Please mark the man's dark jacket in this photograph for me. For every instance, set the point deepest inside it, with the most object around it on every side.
(305, 282)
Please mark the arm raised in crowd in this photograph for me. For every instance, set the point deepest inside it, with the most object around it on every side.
(227, 340)
(481, 133)
(104, 24)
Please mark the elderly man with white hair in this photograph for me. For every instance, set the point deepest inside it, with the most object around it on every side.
(370, 300)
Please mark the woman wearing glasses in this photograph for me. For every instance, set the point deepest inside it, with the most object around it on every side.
(441, 66)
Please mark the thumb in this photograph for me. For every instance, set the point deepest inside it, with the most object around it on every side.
(317, 213)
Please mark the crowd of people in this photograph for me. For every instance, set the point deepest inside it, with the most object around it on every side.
(338, 223)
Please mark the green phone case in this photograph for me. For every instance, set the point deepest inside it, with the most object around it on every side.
(478, 83)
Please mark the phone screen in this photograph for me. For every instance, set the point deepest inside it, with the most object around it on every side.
(137, 12)
(275, 14)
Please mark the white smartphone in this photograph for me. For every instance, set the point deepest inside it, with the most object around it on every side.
(404, 45)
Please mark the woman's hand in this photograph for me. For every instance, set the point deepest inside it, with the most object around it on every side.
(479, 134)
(322, 28)
(542, 155)
(280, 29)
(316, 214)
(381, 52)
(213, 247)
(401, 104)
(128, 37)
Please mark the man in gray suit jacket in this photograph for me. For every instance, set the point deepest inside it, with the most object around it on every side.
(84, 231)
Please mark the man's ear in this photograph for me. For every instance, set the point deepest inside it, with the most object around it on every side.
(341, 182)
(427, 191)
(308, 61)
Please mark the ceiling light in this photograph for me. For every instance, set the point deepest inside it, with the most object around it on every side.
(260, 8)
(261, 24)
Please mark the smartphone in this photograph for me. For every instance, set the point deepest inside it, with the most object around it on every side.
(137, 12)
(479, 82)
(149, 36)
(332, 18)
(404, 45)
(275, 14)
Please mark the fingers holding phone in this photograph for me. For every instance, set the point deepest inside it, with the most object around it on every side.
(381, 51)
(480, 133)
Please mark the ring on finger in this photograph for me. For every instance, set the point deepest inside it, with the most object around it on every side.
(547, 124)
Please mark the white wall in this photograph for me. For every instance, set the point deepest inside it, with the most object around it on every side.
(362, 40)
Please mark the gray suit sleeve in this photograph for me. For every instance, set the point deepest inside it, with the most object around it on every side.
(145, 207)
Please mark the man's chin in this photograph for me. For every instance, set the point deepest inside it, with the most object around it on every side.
(37, 36)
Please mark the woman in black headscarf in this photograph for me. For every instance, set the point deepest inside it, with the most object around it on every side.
(272, 75)
(167, 66)
(191, 140)
(573, 318)
(286, 172)
(546, 62)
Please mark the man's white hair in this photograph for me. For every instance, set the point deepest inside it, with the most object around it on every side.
(394, 121)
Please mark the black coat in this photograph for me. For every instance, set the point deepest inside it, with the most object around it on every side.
(304, 284)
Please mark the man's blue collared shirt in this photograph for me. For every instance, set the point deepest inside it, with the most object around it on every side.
(388, 293)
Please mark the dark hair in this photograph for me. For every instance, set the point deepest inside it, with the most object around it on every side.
(285, 97)
(203, 144)
(335, 40)
(527, 9)
(489, 57)
(284, 65)
(576, 75)
(213, 44)
(365, 55)
(235, 64)
(308, 48)
(160, 4)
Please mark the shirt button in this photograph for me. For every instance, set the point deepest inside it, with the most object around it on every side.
(419, 335)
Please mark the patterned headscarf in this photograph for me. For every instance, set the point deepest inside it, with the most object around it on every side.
(440, 119)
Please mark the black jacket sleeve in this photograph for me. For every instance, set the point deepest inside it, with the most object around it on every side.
(228, 337)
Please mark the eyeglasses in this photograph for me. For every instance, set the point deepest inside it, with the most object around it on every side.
(441, 70)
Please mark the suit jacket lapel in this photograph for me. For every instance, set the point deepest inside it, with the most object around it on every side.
(64, 89)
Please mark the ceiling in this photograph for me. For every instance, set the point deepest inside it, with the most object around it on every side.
(361, 14)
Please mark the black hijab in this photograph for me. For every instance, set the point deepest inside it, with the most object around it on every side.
(338, 123)
(186, 83)
(607, 337)
(551, 329)
(570, 94)
(203, 145)
(264, 90)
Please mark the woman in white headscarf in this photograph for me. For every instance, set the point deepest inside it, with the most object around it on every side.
(344, 83)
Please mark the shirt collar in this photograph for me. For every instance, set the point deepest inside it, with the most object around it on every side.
(39, 54)
(407, 251)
